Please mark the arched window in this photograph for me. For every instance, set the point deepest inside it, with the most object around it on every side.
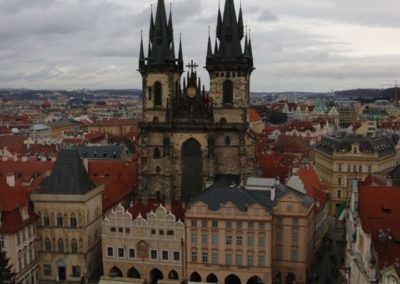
(228, 92)
(60, 245)
(227, 140)
(155, 120)
(73, 220)
(46, 220)
(157, 94)
(74, 246)
(158, 169)
(20, 267)
(157, 153)
(47, 245)
(59, 220)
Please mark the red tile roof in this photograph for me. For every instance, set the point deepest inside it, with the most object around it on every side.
(379, 212)
(313, 186)
(254, 115)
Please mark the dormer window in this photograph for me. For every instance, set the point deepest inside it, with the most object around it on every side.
(355, 150)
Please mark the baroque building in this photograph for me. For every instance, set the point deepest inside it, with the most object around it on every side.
(188, 135)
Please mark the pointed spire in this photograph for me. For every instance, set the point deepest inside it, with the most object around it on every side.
(149, 53)
(216, 46)
(151, 33)
(246, 46)
(172, 51)
(240, 22)
(170, 25)
(161, 41)
(141, 53)
(219, 22)
(250, 48)
(180, 53)
(230, 47)
(209, 48)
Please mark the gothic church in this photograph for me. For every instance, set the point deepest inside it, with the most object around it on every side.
(189, 136)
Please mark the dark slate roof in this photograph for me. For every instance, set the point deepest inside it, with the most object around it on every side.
(381, 145)
(222, 191)
(60, 123)
(68, 176)
(101, 152)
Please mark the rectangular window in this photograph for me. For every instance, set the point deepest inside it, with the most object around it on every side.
(279, 234)
(215, 224)
(194, 223)
(261, 260)
(164, 255)
(204, 223)
(360, 168)
(295, 255)
(153, 254)
(121, 252)
(339, 181)
(250, 225)
(238, 225)
(228, 259)
(1, 241)
(295, 235)
(369, 169)
(250, 240)
(339, 194)
(47, 269)
(161, 232)
(250, 260)
(204, 239)
(76, 271)
(214, 258)
(238, 240)
(127, 230)
(214, 239)
(295, 221)
(121, 230)
(204, 257)
(194, 238)
(177, 256)
(153, 231)
(194, 256)
(228, 240)
(348, 168)
(113, 230)
(132, 253)
(279, 253)
(228, 224)
(261, 241)
(261, 225)
(339, 168)
(239, 259)
(170, 233)
(110, 251)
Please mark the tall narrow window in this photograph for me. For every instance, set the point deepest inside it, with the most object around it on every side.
(74, 246)
(157, 94)
(59, 220)
(60, 245)
(73, 220)
(228, 92)
(156, 153)
(46, 220)
(47, 245)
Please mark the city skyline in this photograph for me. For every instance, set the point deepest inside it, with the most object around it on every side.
(298, 45)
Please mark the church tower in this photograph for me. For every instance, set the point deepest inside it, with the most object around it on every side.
(161, 70)
(229, 67)
(190, 136)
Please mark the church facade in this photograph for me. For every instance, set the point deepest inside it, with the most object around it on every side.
(190, 136)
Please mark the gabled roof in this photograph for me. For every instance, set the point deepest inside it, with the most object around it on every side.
(312, 184)
(68, 176)
(223, 191)
(380, 217)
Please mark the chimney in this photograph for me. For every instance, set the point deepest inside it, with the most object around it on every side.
(11, 179)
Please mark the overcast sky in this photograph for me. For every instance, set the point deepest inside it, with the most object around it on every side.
(298, 45)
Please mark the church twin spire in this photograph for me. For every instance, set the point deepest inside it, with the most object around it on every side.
(161, 49)
(229, 33)
(227, 48)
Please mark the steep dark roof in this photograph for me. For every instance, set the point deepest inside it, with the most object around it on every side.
(161, 51)
(223, 191)
(381, 145)
(68, 176)
(230, 32)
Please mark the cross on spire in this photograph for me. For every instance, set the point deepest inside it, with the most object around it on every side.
(192, 66)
